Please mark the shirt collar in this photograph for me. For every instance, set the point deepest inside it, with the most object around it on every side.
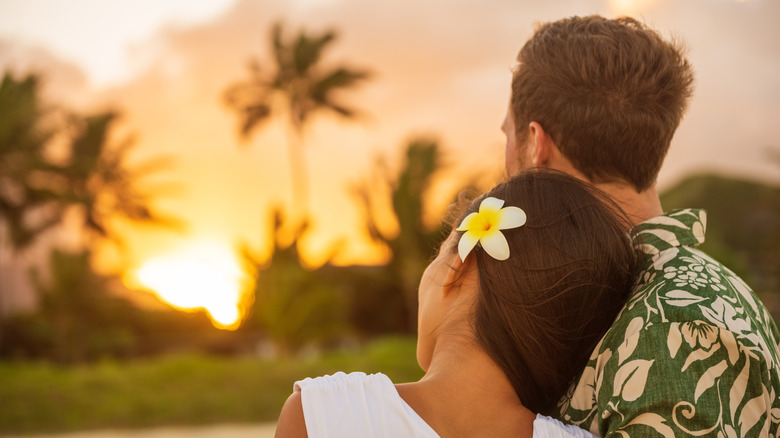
(684, 227)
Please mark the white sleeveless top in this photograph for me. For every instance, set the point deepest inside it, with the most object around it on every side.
(360, 405)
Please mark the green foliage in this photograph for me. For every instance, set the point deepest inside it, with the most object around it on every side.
(100, 180)
(23, 140)
(293, 306)
(79, 319)
(414, 244)
(35, 189)
(376, 306)
(175, 390)
(80, 313)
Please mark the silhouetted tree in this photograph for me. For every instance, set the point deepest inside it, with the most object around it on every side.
(293, 306)
(297, 84)
(23, 163)
(414, 244)
(81, 317)
(91, 174)
(103, 185)
(35, 189)
(81, 314)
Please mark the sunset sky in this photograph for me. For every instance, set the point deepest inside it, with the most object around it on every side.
(441, 69)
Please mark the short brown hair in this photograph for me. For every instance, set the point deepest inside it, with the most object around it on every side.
(610, 92)
(540, 313)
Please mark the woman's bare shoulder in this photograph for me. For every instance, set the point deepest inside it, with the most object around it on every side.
(291, 421)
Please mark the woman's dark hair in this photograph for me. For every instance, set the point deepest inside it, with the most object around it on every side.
(540, 313)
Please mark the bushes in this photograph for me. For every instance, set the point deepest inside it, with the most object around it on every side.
(175, 390)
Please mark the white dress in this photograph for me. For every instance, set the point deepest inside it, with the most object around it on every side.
(360, 405)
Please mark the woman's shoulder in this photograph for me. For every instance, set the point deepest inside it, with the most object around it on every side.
(354, 404)
(291, 422)
(341, 381)
(547, 427)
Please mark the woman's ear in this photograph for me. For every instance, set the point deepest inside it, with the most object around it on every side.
(461, 273)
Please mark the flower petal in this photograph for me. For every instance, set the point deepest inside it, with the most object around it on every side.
(510, 217)
(491, 204)
(494, 243)
(468, 222)
(467, 242)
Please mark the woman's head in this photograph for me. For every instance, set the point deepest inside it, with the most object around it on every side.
(540, 312)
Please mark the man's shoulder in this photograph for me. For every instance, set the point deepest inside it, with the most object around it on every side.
(683, 288)
(682, 284)
(688, 315)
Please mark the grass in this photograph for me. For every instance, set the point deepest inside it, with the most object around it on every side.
(175, 390)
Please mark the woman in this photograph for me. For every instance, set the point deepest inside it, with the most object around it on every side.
(509, 312)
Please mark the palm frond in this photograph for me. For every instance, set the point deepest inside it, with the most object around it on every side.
(253, 115)
(340, 110)
(339, 78)
(308, 50)
(88, 145)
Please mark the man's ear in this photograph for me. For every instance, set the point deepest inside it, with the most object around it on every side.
(541, 145)
(545, 153)
(460, 273)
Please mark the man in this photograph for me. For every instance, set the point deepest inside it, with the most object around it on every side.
(694, 352)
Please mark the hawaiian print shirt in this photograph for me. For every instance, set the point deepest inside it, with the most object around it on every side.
(693, 353)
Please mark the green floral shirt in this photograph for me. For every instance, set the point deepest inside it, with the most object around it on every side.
(693, 352)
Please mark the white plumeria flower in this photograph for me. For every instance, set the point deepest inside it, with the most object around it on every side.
(484, 227)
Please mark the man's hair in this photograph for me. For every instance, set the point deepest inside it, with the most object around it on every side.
(610, 93)
(540, 313)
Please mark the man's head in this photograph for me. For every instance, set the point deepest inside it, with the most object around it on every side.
(608, 93)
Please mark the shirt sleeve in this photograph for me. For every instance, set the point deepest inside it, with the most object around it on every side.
(685, 379)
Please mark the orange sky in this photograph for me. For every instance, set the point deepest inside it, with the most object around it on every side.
(442, 68)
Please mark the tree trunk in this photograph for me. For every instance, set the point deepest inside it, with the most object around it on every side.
(298, 176)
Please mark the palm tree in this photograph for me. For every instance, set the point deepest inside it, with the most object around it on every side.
(23, 140)
(35, 190)
(103, 185)
(292, 305)
(301, 85)
(414, 242)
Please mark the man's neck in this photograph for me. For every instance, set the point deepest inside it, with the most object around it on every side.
(639, 206)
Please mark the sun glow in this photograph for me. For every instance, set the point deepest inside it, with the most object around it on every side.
(203, 276)
(629, 7)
